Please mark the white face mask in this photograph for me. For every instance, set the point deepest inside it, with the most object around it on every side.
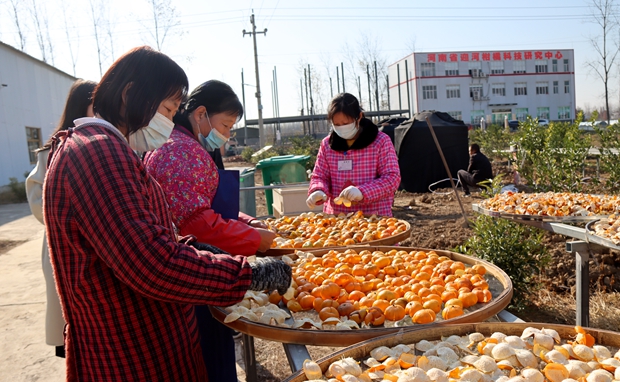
(346, 131)
(153, 136)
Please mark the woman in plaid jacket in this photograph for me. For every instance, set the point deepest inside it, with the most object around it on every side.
(356, 168)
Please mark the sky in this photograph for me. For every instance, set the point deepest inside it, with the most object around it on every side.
(208, 42)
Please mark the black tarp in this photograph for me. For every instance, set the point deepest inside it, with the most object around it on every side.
(388, 125)
(418, 157)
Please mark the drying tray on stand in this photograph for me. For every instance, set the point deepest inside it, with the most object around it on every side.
(592, 237)
(499, 285)
(362, 350)
(541, 218)
(385, 241)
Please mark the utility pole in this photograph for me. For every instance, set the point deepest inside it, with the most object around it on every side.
(245, 121)
(261, 135)
(342, 72)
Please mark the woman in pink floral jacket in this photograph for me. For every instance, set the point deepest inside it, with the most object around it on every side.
(356, 163)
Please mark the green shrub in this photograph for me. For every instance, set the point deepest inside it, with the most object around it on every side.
(515, 248)
(494, 141)
(19, 190)
(551, 158)
(610, 158)
(246, 154)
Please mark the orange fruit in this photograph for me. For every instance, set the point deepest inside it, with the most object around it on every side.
(342, 279)
(325, 313)
(454, 301)
(366, 302)
(424, 292)
(394, 312)
(424, 316)
(382, 262)
(353, 286)
(386, 294)
(448, 295)
(293, 306)
(374, 317)
(412, 307)
(356, 295)
(451, 312)
(433, 296)
(345, 309)
(317, 304)
(307, 302)
(400, 301)
(330, 290)
(456, 266)
(274, 297)
(410, 296)
(480, 269)
(433, 305)
(482, 295)
(468, 298)
(381, 304)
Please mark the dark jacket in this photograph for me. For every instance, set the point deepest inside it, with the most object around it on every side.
(480, 167)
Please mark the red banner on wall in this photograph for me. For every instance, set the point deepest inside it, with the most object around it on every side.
(493, 56)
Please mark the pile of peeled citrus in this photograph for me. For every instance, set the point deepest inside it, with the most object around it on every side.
(537, 355)
(553, 204)
(310, 230)
(366, 288)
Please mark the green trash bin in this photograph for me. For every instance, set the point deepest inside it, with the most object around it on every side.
(247, 198)
(282, 170)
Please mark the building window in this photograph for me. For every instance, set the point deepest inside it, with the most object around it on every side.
(566, 65)
(542, 87)
(520, 88)
(33, 135)
(521, 113)
(541, 66)
(453, 91)
(456, 115)
(542, 112)
(475, 92)
(555, 87)
(452, 68)
(476, 115)
(429, 92)
(427, 69)
(475, 68)
(554, 66)
(518, 66)
(564, 112)
(498, 89)
(566, 87)
(497, 67)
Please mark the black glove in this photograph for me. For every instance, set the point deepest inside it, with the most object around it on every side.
(270, 274)
(208, 247)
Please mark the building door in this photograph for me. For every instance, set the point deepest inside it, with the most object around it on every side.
(497, 117)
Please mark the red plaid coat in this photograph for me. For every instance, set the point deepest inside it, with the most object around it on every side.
(375, 172)
(126, 285)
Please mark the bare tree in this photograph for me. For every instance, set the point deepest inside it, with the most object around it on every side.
(19, 24)
(95, 8)
(603, 13)
(369, 53)
(69, 40)
(165, 20)
(39, 27)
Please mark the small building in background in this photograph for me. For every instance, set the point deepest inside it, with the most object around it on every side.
(32, 98)
(488, 85)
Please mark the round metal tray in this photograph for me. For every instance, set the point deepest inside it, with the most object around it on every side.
(592, 237)
(499, 285)
(362, 350)
(387, 241)
(541, 218)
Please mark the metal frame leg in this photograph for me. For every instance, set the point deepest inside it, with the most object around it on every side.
(582, 272)
(249, 357)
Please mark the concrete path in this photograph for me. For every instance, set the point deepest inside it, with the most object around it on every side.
(24, 355)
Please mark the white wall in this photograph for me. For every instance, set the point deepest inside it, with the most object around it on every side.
(35, 96)
(491, 103)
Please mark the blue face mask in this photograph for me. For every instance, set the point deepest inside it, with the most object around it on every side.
(214, 140)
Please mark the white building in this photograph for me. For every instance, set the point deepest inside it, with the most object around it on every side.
(487, 84)
(32, 98)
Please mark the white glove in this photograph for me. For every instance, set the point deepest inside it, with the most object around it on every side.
(315, 198)
(352, 193)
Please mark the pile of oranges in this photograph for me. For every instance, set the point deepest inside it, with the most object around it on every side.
(371, 287)
(310, 230)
